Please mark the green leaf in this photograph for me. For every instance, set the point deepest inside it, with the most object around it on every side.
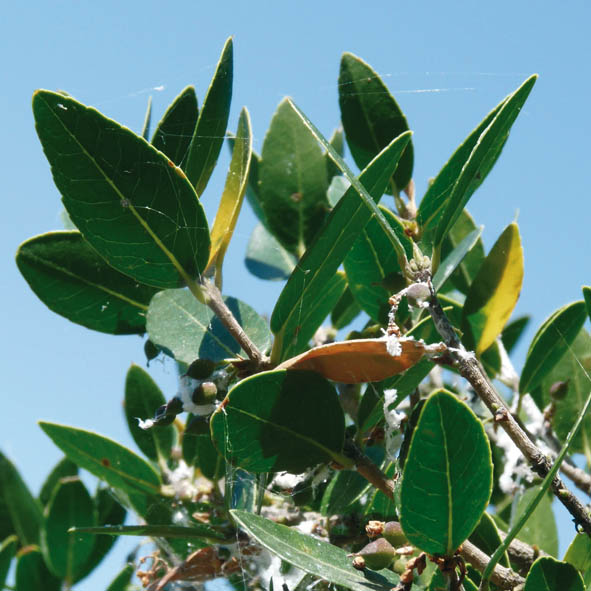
(188, 330)
(117, 189)
(587, 298)
(142, 398)
(337, 188)
(71, 279)
(550, 343)
(106, 459)
(61, 470)
(7, 553)
(266, 258)
(579, 553)
(494, 292)
(147, 120)
(231, 201)
(345, 310)
(371, 117)
(308, 283)
(447, 479)
(197, 530)
(292, 181)
(455, 258)
(32, 574)
(123, 578)
(280, 420)
(212, 123)
(372, 268)
(482, 158)
(379, 506)
(70, 505)
(540, 528)
(20, 513)
(486, 537)
(548, 574)
(513, 332)
(199, 450)
(312, 555)
(337, 141)
(175, 130)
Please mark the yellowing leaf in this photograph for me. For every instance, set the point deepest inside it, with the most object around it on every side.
(362, 360)
(231, 201)
(494, 291)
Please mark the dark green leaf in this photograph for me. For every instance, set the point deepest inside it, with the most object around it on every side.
(32, 574)
(188, 330)
(579, 553)
(371, 117)
(548, 574)
(142, 398)
(440, 583)
(587, 298)
(61, 470)
(106, 459)
(513, 332)
(312, 555)
(540, 528)
(7, 553)
(372, 267)
(345, 310)
(447, 479)
(308, 283)
(71, 279)
(292, 181)
(70, 505)
(147, 120)
(199, 450)
(175, 130)
(117, 189)
(122, 580)
(550, 343)
(212, 123)
(280, 420)
(266, 258)
(20, 513)
(337, 141)
(342, 491)
(486, 537)
(197, 530)
(482, 158)
(379, 506)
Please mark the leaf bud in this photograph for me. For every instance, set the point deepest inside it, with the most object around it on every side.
(377, 554)
(151, 351)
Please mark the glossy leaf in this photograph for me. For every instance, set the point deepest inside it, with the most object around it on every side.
(371, 117)
(72, 280)
(550, 343)
(123, 578)
(7, 553)
(212, 123)
(292, 181)
(548, 574)
(345, 310)
(70, 505)
(266, 258)
(280, 421)
(117, 189)
(579, 555)
(147, 120)
(234, 190)
(196, 530)
(540, 528)
(61, 470)
(106, 459)
(32, 574)
(486, 537)
(482, 158)
(312, 555)
(372, 267)
(175, 130)
(21, 513)
(188, 330)
(142, 398)
(494, 292)
(447, 479)
(358, 360)
(308, 283)
(337, 188)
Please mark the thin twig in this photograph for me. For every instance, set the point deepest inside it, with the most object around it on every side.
(471, 369)
(502, 577)
(369, 470)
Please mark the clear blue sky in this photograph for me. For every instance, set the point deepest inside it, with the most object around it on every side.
(448, 64)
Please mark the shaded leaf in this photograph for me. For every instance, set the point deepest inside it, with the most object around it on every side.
(337, 141)
(345, 310)
(175, 130)
(312, 555)
(106, 459)
(196, 530)
(70, 505)
(579, 553)
(212, 123)
(292, 181)
(548, 574)
(142, 398)
(188, 329)
(20, 513)
(266, 258)
(32, 574)
(371, 117)
(494, 292)
(550, 343)
(447, 479)
(123, 578)
(280, 420)
(61, 470)
(233, 194)
(486, 537)
(147, 120)
(513, 332)
(359, 360)
(72, 280)
(540, 528)
(482, 158)
(7, 553)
